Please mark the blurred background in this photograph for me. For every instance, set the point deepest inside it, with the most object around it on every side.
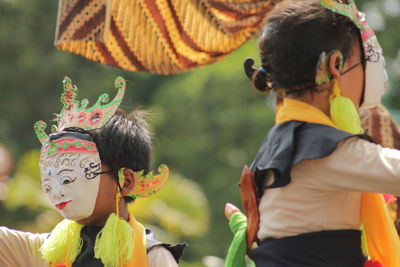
(208, 123)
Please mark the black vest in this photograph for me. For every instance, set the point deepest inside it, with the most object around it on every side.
(291, 142)
(89, 233)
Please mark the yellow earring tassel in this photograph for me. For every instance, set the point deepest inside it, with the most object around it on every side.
(64, 243)
(114, 243)
(343, 112)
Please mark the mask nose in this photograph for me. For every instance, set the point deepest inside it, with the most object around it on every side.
(57, 193)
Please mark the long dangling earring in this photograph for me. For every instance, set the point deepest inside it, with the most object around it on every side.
(120, 185)
(114, 243)
(343, 112)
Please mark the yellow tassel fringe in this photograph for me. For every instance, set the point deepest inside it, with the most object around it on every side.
(343, 112)
(116, 233)
(64, 243)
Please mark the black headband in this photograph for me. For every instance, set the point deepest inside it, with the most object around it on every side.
(77, 135)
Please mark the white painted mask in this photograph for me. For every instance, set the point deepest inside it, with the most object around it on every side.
(69, 168)
(375, 74)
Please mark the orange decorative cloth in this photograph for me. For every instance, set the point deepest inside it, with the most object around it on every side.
(139, 256)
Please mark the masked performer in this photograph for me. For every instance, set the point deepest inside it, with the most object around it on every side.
(94, 164)
(317, 177)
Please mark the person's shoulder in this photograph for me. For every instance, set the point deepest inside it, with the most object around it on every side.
(356, 143)
(160, 256)
(359, 152)
(157, 250)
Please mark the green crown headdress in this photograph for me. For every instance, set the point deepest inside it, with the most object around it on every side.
(77, 114)
(349, 9)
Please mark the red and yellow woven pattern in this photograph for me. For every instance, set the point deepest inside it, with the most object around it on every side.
(381, 126)
(160, 36)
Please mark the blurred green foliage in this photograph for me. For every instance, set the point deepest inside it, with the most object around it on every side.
(208, 123)
(180, 208)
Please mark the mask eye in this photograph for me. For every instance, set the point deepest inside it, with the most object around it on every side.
(47, 188)
(67, 180)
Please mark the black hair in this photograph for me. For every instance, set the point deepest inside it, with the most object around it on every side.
(123, 142)
(296, 33)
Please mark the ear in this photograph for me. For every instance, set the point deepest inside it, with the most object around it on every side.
(129, 182)
(335, 64)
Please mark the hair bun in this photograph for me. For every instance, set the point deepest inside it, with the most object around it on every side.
(248, 67)
(259, 77)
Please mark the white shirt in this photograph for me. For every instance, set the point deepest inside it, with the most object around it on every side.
(325, 193)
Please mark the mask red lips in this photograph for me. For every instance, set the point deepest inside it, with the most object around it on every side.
(62, 204)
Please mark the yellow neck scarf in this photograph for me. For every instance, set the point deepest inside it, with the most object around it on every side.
(383, 243)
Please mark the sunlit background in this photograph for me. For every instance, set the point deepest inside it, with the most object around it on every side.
(208, 123)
